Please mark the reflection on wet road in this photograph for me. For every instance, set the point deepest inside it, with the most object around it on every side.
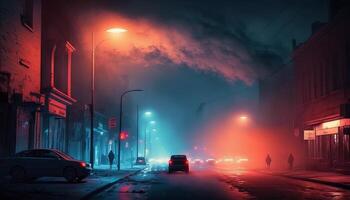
(155, 183)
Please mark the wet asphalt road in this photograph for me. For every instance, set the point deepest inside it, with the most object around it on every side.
(217, 184)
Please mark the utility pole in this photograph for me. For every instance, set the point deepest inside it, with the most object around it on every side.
(137, 132)
(145, 146)
(92, 103)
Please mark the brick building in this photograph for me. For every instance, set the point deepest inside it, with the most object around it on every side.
(322, 66)
(20, 68)
(57, 54)
(36, 52)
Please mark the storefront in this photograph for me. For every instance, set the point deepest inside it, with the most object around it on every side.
(328, 144)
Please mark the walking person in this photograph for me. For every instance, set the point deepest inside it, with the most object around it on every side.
(268, 161)
(111, 158)
(290, 161)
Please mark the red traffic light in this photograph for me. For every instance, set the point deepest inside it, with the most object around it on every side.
(124, 135)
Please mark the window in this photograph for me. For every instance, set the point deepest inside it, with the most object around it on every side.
(25, 154)
(27, 15)
(46, 154)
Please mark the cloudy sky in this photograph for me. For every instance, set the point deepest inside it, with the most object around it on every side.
(195, 59)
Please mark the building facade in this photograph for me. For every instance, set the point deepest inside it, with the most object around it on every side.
(20, 68)
(322, 66)
(36, 52)
(57, 54)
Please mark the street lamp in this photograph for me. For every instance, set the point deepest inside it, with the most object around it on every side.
(152, 122)
(120, 120)
(148, 113)
(243, 117)
(116, 30)
(93, 48)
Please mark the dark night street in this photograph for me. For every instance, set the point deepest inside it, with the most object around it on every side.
(218, 184)
(175, 99)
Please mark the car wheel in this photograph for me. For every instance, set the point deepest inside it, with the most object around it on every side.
(69, 174)
(18, 174)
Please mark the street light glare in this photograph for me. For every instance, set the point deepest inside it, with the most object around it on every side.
(148, 113)
(243, 117)
(152, 122)
(116, 30)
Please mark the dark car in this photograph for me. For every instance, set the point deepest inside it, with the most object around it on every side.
(140, 161)
(178, 163)
(35, 163)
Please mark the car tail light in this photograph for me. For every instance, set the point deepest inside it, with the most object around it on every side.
(186, 162)
(170, 162)
(83, 164)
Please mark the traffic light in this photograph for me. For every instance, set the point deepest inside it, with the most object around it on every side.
(124, 135)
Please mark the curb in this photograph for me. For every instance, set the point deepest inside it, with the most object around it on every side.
(333, 184)
(108, 185)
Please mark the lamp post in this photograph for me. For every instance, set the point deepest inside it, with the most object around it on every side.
(147, 131)
(121, 121)
(137, 132)
(92, 106)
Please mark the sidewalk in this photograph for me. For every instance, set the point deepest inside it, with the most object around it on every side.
(58, 188)
(328, 178)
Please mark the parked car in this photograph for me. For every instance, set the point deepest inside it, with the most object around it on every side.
(140, 161)
(35, 163)
(178, 163)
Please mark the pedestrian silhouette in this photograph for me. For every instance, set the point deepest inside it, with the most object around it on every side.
(268, 161)
(290, 161)
(111, 158)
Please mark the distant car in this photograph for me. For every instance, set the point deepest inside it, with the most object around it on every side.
(35, 163)
(197, 161)
(140, 161)
(211, 161)
(178, 163)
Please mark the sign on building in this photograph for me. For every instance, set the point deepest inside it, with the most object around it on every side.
(57, 108)
(112, 122)
(309, 135)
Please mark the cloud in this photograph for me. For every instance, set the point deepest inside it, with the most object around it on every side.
(147, 44)
(223, 37)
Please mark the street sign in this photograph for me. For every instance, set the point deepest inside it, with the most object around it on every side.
(112, 122)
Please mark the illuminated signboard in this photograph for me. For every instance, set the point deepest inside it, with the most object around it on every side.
(309, 135)
(327, 131)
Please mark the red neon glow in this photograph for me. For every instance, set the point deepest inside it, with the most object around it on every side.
(124, 135)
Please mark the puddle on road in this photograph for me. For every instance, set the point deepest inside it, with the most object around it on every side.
(235, 184)
(133, 187)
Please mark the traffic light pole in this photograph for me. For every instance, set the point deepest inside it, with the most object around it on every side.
(121, 122)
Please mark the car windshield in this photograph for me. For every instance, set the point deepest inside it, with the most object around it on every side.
(178, 157)
(64, 155)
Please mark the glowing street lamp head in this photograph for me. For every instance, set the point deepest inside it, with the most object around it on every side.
(243, 117)
(116, 30)
(148, 113)
(152, 122)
